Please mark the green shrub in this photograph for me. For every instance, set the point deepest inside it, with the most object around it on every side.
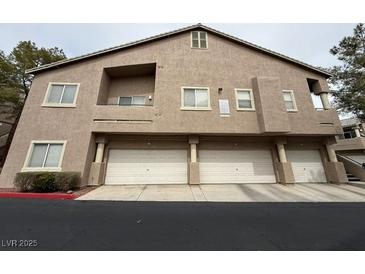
(46, 181)
(65, 181)
(34, 181)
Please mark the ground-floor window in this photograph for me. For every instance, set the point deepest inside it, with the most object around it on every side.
(45, 155)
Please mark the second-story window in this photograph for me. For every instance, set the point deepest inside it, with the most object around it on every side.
(199, 39)
(61, 95)
(195, 98)
(132, 101)
(244, 99)
(289, 100)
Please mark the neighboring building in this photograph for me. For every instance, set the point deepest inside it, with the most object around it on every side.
(190, 106)
(350, 148)
(352, 128)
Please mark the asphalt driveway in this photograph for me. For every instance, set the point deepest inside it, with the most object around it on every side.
(101, 225)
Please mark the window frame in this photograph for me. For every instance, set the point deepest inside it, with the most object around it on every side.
(131, 105)
(236, 91)
(60, 105)
(47, 142)
(182, 107)
(349, 130)
(295, 109)
(199, 46)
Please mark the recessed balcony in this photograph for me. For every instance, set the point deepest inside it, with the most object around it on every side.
(128, 86)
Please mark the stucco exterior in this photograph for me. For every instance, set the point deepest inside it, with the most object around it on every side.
(225, 65)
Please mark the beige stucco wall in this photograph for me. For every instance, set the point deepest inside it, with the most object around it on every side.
(131, 86)
(224, 65)
(271, 111)
(102, 97)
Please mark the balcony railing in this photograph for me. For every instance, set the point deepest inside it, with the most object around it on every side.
(357, 143)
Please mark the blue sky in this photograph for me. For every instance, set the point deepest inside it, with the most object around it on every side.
(307, 42)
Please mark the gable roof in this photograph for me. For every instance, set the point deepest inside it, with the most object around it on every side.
(178, 31)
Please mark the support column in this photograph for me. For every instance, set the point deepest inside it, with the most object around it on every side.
(193, 153)
(97, 168)
(335, 170)
(194, 175)
(281, 152)
(99, 152)
(286, 175)
(331, 154)
(357, 131)
(325, 101)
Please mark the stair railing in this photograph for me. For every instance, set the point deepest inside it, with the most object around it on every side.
(352, 160)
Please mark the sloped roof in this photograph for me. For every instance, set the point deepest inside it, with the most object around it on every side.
(168, 34)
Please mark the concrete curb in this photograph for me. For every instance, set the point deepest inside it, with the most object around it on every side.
(45, 196)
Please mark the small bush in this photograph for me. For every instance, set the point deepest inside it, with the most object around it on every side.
(46, 181)
(34, 181)
(65, 181)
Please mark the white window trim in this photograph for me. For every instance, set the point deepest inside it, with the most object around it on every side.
(295, 109)
(60, 105)
(236, 90)
(195, 108)
(191, 40)
(132, 101)
(30, 151)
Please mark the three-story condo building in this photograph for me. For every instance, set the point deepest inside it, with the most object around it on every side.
(192, 106)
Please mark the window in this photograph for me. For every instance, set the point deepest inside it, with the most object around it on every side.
(317, 102)
(195, 98)
(132, 101)
(61, 95)
(244, 99)
(289, 100)
(45, 155)
(199, 39)
(349, 133)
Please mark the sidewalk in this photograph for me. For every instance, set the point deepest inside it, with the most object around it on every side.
(354, 192)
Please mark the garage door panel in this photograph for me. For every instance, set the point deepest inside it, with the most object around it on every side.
(147, 156)
(146, 167)
(234, 156)
(233, 167)
(307, 166)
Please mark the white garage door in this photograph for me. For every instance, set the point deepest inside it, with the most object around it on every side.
(307, 166)
(236, 166)
(146, 167)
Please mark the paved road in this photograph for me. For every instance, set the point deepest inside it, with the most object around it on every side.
(97, 225)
